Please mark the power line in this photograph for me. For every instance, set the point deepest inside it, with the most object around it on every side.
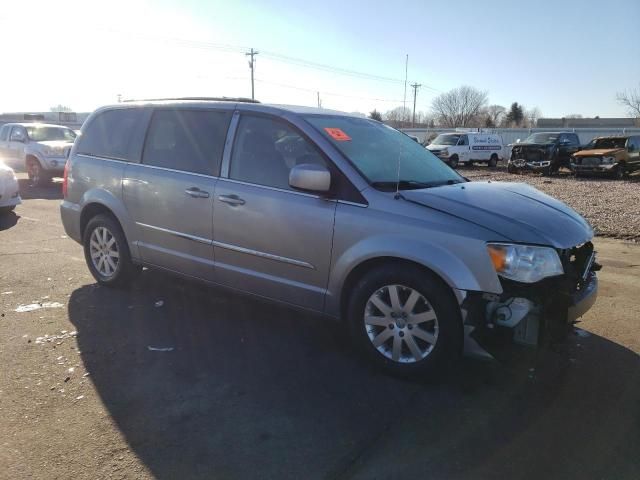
(331, 94)
(202, 45)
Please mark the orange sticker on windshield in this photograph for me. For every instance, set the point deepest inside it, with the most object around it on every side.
(337, 134)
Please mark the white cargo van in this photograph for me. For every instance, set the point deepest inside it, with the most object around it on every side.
(467, 147)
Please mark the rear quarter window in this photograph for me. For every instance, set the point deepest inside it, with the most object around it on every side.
(116, 134)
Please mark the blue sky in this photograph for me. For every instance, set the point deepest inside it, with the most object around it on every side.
(564, 57)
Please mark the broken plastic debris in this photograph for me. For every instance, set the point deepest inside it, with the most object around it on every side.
(71, 370)
(581, 333)
(80, 397)
(6, 293)
(159, 303)
(36, 306)
(159, 349)
(85, 375)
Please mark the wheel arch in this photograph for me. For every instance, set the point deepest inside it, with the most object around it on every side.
(469, 270)
(97, 201)
(370, 264)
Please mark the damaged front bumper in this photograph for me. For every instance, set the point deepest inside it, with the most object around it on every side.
(531, 314)
(522, 164)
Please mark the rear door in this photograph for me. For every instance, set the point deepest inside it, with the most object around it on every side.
(269, 239)
(170, 193)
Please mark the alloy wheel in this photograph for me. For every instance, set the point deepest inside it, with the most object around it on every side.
(104, 252)
(401, 324)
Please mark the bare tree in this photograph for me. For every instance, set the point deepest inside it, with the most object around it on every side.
(573, 115)
(532, 115)
(630, 99)
(495, 113)
(459, 107)
(398, 117)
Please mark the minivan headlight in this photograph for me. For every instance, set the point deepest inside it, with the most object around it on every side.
(524, 263)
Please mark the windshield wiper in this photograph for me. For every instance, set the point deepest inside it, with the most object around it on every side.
(411, 184)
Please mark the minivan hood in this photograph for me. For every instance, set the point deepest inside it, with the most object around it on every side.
(516, 211)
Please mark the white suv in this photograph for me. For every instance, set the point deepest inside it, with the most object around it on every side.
(40, 148)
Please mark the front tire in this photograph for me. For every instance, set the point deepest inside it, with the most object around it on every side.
(107, 253)
(618, 172)
(453, 161)
(405, 321)
(37, 176)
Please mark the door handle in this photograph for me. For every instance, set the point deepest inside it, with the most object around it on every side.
(232, 200)
(195, 192)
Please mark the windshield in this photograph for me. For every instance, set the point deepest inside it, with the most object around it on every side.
(44, 134)
(609, 143)
(542, 138)
(375, 149)
(447, 139)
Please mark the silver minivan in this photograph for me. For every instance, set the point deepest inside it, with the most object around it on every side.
(332, 213)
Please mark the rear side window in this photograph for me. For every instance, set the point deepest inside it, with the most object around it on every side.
(188, 140)
(115, 134)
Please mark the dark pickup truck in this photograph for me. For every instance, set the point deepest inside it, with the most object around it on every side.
(544, 152)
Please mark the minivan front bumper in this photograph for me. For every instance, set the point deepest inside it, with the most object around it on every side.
(533, 314)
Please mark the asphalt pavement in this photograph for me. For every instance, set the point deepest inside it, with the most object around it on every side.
(174, 379)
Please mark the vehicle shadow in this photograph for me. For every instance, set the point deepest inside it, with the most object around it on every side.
(205, 383)
(53, 191)
(8, 220)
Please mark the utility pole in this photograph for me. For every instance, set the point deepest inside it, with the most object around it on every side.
(404, 100)
(415, 87)
(252, 62)
(319, 101)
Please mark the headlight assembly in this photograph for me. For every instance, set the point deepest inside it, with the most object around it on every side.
(524, 263)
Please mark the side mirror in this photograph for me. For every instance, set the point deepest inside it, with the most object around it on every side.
(310, 178)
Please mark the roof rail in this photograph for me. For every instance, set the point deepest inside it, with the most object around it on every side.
(199, 99)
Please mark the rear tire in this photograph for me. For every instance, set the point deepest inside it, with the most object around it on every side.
(493, 161)
(107, 253)
(421, 330)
